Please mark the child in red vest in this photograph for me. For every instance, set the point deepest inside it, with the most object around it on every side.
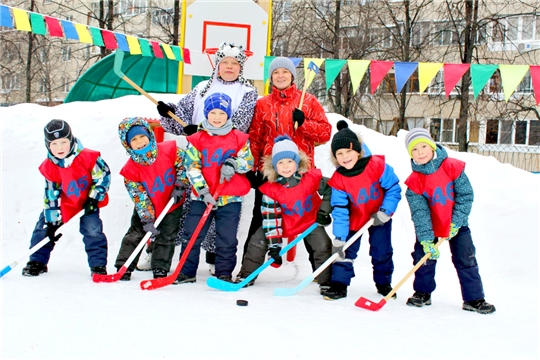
(216, 154)
(290, 204)
(153, 175)
(363, 187)
(440, 197)
(76, 178)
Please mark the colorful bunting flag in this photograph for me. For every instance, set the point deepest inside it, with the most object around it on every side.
(145, 47)
(69, 30)
(55, 30)
(157, 49)
(357, 69)
(176, 51)
(134, 46)
(295, 61)
(84, 34)
(5, 17)
(96, 36)
(534, 70)
(332, 68)
(21, 20)
(186, 56)
(511, 76)
(122, 42)
(452, 74)
(480, 75)
(109, 39)
(403, 71)
(309, 74)
(168, 51)
(426, 73)
(267, 61)
(377, 72)
(38, 24)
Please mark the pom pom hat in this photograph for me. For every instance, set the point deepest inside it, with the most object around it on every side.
(282, 62)
(219, 101)
(345, 138)
(418, 135)
(284, 148)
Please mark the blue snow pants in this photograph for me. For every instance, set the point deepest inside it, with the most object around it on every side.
(90, 227)
(227, 219)
(464, 259)
(380, 250)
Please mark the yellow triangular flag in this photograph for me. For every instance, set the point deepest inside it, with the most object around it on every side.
(511, 76)
(134, 46)
(168, 51)
(84, 34)
(308, 74)
(357, 69)
(21, 20)
(426, 73)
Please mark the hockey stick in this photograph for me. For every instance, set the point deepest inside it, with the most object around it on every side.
(311, 67)
(373, 306)
(118, 59)
(328, 262)
(167, 280)
(227, 286)
(115, 277)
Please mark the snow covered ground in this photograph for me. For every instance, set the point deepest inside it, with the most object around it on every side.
(64, 315)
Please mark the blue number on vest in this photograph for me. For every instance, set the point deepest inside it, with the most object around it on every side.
(169, 177)
(216, 158)
(160, 183)
(76, 186)
(441, 197)
(298, 208)
(363, 195)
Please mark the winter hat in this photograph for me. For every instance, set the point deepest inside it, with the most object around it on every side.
(136, 130)
(219, 101)
(418, 135)
(282, 62)
(284, 148)
(345, 138)
(58, 129)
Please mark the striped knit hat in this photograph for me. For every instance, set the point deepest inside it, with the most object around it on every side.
(418, 135)
(284, 148)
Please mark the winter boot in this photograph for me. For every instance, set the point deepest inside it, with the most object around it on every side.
(480, 306)
(126, 276)
(385, 290)
(227, 278)
(323, 288)
(240, 278)
(336, 291)
(184, 279)
(159, 273)
(419, 299)
(102, 270)
(34, 268)
(144, 264)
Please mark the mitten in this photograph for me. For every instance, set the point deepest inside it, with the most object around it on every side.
(51, 231)
(205, 196)
(323, 219)
(178, 194)
(228, 170)
(273, 251)
(255, 179)
(337, 248)
(380, 218)
(298, 118)
(190, 129)
(149, 227)
(429, 247)
(453, 230)
(163, 109)
(90, 206)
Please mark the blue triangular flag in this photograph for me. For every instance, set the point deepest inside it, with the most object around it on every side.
(295, 61)
(403, 71)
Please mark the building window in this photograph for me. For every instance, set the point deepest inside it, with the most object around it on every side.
(66, 83)
(443, 130)
(135, 7)
(66, 53)
(420, 32)
(162, 17)
(504, 131)
(415, 122)
(43, 86)
(10, 82)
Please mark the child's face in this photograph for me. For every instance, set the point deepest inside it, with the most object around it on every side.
(139, 142)
(217, 118)
(229, 69)
(422, 153)
(347, 158)
(286, 167)
(281, 78)
(60, 148)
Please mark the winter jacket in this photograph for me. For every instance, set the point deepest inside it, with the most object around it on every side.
(273, 117)
(419, 204)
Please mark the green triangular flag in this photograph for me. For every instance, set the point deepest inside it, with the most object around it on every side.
(480, 75)
(267, 61)
(38, 24)
(332, 67)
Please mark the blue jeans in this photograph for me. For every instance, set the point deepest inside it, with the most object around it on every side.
(91, 228)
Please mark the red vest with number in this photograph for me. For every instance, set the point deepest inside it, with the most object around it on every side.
(438, 189)
(74, 180)
(159, 178)
(364, 191)
(214, 151)
(299, 204)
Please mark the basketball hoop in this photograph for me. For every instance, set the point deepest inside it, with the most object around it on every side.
(212, 51)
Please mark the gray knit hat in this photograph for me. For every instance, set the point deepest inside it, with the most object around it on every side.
(418, 135)
(284, 148)
(282, 62)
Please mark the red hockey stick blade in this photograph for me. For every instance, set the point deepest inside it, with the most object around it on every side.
(369, 305)
(159, 282)
(109, 278)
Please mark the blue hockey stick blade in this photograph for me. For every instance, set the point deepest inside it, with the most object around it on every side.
(5, 271)
(294, 290)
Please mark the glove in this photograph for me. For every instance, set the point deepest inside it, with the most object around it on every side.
(90, 206)
(337, 248)
(429, 247)
(298, 118)
(323, 219)
(380, 218)
(190, 129)
(228, 170)
(256, 179)
(178, 194)
(163, 109)
(205, 196)
(273, 251)
(51, 231)
(453, 231)
(149, 227)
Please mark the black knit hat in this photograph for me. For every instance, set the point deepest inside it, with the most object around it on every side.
(57, 129)
(345, 138)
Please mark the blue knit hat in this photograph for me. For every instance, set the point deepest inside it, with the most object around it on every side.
(284, 148)
(219, 101)
(136, 130)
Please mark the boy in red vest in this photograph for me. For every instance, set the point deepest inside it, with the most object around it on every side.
(216, 154)
(363, 187)
(290, 204)
(153, 175)
(440, 197)
(76, 178)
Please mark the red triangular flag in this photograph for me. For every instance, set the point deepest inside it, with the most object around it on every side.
(157, 50)
(109, 39)
(186, 56)
(54, 27)
(377, 72)
(534, 70)
(452, 74)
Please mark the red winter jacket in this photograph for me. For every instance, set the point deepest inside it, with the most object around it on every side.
(273, 117)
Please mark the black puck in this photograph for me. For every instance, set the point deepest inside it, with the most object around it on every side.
(242, 302)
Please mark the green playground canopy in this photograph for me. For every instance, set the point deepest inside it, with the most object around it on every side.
(100, 82)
